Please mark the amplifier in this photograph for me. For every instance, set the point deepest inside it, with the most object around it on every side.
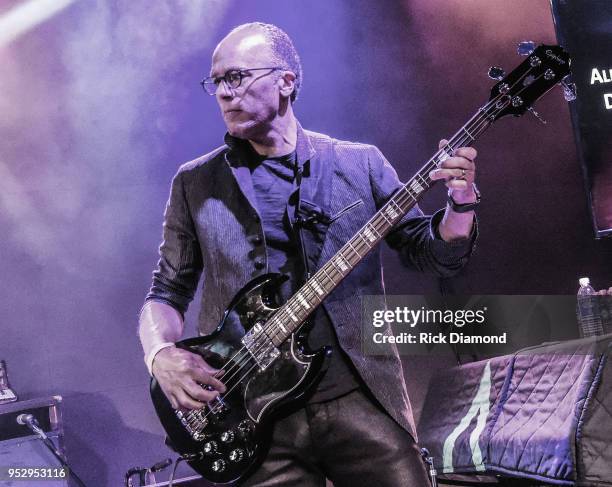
(20, 448)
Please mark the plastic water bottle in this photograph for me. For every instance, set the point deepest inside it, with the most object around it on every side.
(589, 318)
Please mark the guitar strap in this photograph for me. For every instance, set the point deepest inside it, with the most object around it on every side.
(310, 222)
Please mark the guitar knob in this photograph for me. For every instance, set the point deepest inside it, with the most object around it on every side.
(236, 455)
(525, 48)
(219, 465)
(210, 448)
(227, 436)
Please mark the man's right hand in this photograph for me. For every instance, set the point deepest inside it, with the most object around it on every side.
(182, 376)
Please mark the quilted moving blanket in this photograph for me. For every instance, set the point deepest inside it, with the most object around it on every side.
(544, 413)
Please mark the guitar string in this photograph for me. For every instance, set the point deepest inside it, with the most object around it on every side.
(376, 225)
(483, 120)
(480, 125)
(362, 246)
(305, 294)
(480, 121)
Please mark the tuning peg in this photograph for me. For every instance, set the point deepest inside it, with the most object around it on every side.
(536, 115)
(525, 48)
(496, 73)
(569, 88)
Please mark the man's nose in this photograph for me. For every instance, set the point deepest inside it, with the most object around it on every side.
(224, 90)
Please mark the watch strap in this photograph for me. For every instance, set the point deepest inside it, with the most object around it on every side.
(464, 207)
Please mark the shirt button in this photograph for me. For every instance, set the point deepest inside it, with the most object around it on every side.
(259, 264)
(257, 240)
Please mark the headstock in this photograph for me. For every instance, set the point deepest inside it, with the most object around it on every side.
(544, 67)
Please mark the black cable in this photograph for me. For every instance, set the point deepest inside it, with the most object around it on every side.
(31, 423)
(176, 462)
(49, 444)
(300, 222)
(127, 482)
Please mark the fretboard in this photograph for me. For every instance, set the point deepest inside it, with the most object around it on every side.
(288, 318)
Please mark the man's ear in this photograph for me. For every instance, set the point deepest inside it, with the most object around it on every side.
(287, 83)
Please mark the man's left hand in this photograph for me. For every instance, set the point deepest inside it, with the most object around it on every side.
(459, 172)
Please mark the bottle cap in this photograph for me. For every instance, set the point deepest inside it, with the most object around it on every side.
(584, 281)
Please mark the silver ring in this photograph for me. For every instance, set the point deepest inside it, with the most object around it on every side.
(463, 173)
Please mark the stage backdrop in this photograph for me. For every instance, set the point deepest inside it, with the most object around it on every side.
(100, 103)
(580, 28)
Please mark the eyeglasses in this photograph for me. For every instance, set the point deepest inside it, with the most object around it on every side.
(233, 79)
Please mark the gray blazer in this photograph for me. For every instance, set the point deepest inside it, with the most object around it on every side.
(212, 229)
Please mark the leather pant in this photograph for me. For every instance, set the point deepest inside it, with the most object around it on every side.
(350, 440)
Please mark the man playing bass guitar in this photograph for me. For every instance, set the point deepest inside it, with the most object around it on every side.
(278, 198)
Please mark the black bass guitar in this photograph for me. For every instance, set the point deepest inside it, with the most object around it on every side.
(264, 359)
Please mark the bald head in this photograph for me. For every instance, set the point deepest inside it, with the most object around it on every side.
(247, 39)
(265, 43)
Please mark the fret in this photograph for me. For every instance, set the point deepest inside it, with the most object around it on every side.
(442, 157)
(290, 313)
(367, 232)
(338, 263)
(382, 213)
(353, 248)
(468, 134)
(334, 268)
(351, 259)
(305, 304)
(317, 288)
(310, 295)
(296, 308)
(416, 187)
(423, 180)
(392, 201)
(280, 338)
(390, 211)
(374, 230)
(354, 258)
(346, 259)
(363, 237)
(327, 275)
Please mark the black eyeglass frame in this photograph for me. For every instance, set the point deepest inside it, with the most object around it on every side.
(215, 82)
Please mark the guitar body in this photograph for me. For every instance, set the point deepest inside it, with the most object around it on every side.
(226, 440)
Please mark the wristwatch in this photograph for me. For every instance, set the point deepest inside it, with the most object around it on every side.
(465, 207)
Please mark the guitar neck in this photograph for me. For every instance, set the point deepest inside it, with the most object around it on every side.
(288, 318)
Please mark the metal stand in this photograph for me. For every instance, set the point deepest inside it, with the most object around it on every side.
(428, 459)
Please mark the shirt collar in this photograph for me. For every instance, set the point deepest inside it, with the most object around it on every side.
(240, 151)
